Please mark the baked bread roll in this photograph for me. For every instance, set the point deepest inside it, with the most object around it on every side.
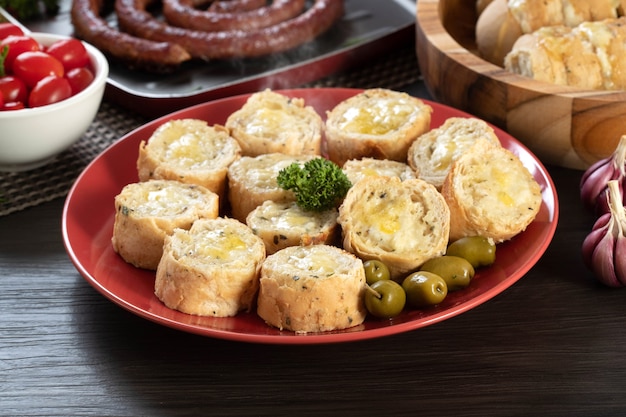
(285, 224)
(190, 151)
(377, 123)
(357, 169)
(503, 22)
(252, 180)
(402, 223)
(490, 193)
(591, 55)
(432, 154)
(146, 212)
(312, 289)
(210, 270)
(271, 122)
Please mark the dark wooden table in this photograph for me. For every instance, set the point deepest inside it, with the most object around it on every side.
(551, 345)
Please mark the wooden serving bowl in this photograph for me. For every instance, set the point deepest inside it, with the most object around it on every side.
(563, 126)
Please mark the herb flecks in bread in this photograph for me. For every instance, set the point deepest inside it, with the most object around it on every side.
(272, 122)
(490, 193)
(402, 223)
(376, 123)
(190, 151)
(210, 270)
(312, 289)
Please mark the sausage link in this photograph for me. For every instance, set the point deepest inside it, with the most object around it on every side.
(160, 56)
(183, 13)
(135, 19)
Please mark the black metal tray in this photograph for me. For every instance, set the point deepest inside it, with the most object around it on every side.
(368, 29)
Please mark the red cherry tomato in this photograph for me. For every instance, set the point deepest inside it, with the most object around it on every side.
(7, 29)
(71, 52)
(17, 45)
(79, 79)
(13, 105)
(49, 90)
(33, 66)
(13, 89)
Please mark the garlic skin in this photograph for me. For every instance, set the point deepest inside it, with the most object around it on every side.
(593, 183)
(604, 249)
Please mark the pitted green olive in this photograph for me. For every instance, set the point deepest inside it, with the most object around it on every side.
(375, 270)
(385, 299)
(424, 289)
(478, 250)
(456, 271)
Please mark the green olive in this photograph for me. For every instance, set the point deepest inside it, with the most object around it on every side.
(424, 289)
(456, 271)
(375, 270)
(478, 250)
(385, 299)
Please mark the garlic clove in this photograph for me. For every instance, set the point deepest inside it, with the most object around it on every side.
(594, 180)
(602, 261)
(591, 241)
(620, 259)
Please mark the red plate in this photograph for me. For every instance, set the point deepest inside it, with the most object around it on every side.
(88, 223)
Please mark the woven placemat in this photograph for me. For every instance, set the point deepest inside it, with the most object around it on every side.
(21, 190)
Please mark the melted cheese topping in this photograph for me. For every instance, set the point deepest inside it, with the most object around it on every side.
(191, 144)
(357, 170)
(497, 188)
(315, 262)
(220, 245)
(378, 116)
(269, 122)
(163, 198)
(260, 172)
(391, 222)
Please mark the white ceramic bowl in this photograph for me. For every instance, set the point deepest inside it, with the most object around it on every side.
(33, 137)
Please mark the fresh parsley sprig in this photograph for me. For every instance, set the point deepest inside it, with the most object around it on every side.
(319, 184)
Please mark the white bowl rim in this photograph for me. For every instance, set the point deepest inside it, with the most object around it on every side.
(100, 77)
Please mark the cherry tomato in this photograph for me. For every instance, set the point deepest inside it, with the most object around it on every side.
(17, 45)
(1, 101)
(49, 90)
(13, 105)
(8, 29)
(79, 79)
(13, 89)
(71, 52)
(33, 66)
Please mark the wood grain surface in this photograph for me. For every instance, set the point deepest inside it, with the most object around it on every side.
(564, 126)
(551, 345)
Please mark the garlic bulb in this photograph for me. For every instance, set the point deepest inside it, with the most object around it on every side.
(604, 249)
(593, 184)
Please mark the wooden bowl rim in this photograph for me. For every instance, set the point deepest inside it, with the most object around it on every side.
(439, 37)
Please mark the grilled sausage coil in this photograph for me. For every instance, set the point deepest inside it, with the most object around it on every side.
(224, 29)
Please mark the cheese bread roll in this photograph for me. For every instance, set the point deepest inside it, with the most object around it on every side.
(271, 122)
(148, 211)
(591, 55)
(502, 22)
(312, 289)
(188, 150)
(286, 224)
(210, 270)
(433, 152)
(377, 123)
(490, 193)
(253, 180)
(402, 223)
(357, 169)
